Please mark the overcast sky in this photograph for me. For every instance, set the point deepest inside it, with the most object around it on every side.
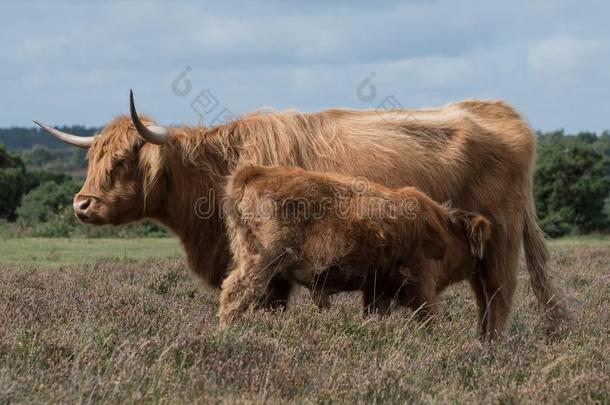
(70, 62)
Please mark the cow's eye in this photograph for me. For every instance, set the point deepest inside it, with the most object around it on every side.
(117, 165)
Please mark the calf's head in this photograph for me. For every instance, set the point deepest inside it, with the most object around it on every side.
(123, 162)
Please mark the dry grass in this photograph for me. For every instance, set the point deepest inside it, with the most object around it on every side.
(129, 331)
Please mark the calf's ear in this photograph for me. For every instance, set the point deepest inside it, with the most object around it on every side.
(478, 229)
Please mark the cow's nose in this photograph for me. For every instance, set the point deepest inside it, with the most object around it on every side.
(81, 204)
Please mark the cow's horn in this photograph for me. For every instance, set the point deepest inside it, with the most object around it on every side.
(153, 133)
(78, 141)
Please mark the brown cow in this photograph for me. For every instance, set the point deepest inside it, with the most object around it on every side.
(478, 154)
(328, 233)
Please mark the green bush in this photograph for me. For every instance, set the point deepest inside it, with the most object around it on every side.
(143, 229)
(571, 185)
(46, 201)
(35, 178)
(12, 183)
(47, 211)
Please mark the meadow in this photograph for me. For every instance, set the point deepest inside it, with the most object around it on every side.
(90, 321)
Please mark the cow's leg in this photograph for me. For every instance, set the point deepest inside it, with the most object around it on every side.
(377, 295)
(320, 298)
(498, 274)
(379, 291)
(481, 300)
(375, 302)
(277, 294)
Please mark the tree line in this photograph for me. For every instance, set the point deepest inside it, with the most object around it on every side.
(39, 176)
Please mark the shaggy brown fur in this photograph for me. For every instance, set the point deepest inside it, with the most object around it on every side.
(426, 278)
(329, 233)
(478, 154)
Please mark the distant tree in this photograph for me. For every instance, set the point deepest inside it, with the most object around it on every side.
(35, 178)
(8, 159)
(12, 183)
(23, 138)
(37, 155)
(603, 146)
(40, 157)
(570, 185)
(587, 137)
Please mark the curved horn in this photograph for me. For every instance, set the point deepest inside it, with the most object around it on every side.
(78, 141)
(154, 133)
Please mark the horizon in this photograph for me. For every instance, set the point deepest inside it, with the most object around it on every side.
(91, 127)
(76, 64)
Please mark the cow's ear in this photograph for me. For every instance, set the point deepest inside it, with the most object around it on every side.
(433, 238)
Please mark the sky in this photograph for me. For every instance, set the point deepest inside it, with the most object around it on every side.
(73, 62)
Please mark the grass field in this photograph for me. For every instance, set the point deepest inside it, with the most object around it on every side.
(124, 321)
(48, 252)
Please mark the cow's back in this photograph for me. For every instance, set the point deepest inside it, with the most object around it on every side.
(462, 150)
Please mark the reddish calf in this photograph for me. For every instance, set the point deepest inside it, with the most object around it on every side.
(333, 233)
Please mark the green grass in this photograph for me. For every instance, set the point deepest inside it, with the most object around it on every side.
(48, 252)
(59, 251)
(126, 321)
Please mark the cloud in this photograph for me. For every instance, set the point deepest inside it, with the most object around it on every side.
(563, 61)
(74, 63)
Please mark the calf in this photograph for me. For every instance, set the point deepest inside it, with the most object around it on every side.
(334, 233)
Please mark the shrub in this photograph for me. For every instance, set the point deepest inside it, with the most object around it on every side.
(571, 185)
(46, 201)
(47, 211)
(35, 178)
(12, 183)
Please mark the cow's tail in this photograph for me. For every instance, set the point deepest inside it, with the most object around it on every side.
(549, 295)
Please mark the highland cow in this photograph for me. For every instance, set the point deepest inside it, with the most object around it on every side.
(478, 154)
(333, 233)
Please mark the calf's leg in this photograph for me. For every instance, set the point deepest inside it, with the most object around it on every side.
(245, 286)
(422, 300)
